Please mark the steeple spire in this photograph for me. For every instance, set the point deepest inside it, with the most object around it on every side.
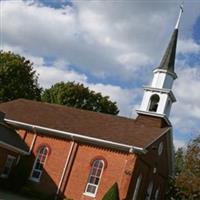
(158, 97)
(168, 60)
(179, 17)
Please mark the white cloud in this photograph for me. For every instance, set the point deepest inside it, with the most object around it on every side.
(124, 39)
(49, 75)
(125, 98)
(188, 46)
(179, 143)
(186, 112)
(97, 37)
(134, 59)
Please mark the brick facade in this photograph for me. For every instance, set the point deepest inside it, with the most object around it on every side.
(153, 167)
(118, 169)
(121, 167)
(115, 171)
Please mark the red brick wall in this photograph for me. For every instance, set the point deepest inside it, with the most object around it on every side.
(119, 165)
(26, 136)
(145, 165)
(122, 168)
(54, 164)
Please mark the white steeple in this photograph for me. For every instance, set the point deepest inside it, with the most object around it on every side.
(158, 97)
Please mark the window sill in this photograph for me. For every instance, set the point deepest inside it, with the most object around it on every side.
(4, 176)
(89, 194)
(34, 180)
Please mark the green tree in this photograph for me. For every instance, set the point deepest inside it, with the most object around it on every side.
(188, 180)
(17, 78)
(179, 160)
(112, 194)
(185, 185)
(76, 95)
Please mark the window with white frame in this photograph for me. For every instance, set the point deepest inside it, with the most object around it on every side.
(39, 164)
(8, 166)
(156, 194)
(137, 187)
(94, 178)
(149, 191)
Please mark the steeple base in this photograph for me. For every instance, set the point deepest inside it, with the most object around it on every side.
(163, 116)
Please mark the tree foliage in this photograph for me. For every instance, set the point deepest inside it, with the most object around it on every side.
(189, 177)
(179, 160)
(76, 95)
(186, 185)
(17, 78)
(112, 194)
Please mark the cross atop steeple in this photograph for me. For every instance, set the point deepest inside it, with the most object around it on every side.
(179, 17)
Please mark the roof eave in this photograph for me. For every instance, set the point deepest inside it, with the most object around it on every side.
(163, 133)
(13, 148)
(81, 138)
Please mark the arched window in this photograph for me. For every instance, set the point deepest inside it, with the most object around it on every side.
(137, 187)
(39, 164)
(94, 178)
(153, 106)
(149, 191)
(156, 194)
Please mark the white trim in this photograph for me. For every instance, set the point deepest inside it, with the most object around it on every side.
(33, 168)
(117, 145)
(137, 187)
(163, 90)
(157, 193)
(89, 194)
(160, 148)
(88, 183)
(164, 132)
(33, 142)
(174, 75)
(149, 191)
(12, 148)
(65, 167)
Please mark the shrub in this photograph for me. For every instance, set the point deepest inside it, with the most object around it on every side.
(112, 193)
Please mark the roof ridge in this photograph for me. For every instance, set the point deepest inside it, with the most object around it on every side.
(69, 107)
(86, 123)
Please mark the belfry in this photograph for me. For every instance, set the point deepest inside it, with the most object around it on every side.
(158, 97)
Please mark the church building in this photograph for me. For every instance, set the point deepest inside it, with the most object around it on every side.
(80, 155)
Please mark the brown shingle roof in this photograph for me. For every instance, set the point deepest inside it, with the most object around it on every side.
(87, 123)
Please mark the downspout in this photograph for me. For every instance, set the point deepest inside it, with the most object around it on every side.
(33, 141)
(65, 168)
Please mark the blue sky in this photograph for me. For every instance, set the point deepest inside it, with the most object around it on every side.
(110, 46)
